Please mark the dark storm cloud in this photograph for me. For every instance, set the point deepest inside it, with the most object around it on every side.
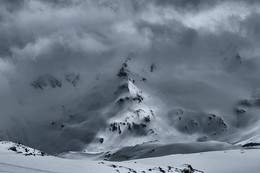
(184, 5)
(195, 5)
(55, 36)
(12, 5)
(67, 33)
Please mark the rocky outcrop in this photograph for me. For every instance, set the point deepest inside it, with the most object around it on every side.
(197, 122)
(47, 80)
(72, 78)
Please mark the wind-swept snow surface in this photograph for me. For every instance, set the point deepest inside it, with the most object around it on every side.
(227, 161)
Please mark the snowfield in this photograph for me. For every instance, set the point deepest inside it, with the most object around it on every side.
(227, 161)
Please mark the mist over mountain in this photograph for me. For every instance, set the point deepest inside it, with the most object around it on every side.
(121, 77)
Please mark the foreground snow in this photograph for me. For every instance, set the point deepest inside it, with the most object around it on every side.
(229, 161)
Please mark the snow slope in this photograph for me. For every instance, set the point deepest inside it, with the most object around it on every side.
(227, 161)
(13, 161)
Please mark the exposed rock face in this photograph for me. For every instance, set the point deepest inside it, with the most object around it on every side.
(48, 80)
(123, 72)
(249, 103)
(197, 122)
(152, 68)
(72, 78)
(251, 144)
(22, 149)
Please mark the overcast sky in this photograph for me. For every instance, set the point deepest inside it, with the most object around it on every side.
(39, 36)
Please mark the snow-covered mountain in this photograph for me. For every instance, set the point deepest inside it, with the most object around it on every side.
(132, 114)
(129, 114)
(128, 109)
